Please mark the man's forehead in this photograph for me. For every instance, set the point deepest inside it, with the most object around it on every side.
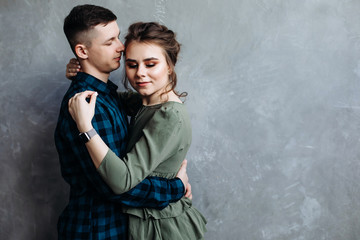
(102, 31)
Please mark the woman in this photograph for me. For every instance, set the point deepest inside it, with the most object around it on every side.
(161, 130)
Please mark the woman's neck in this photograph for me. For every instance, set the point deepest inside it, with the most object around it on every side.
(161, 98)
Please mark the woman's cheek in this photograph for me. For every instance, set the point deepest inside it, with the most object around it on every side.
(158, 73)
(130, 75)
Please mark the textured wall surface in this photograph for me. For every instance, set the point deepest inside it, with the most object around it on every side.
(274, 97)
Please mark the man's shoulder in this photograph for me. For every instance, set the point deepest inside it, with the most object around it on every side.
(76, 87)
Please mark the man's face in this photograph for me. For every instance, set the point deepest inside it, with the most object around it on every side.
(105, 51)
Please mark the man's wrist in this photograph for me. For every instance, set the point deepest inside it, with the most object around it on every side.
(178, 188)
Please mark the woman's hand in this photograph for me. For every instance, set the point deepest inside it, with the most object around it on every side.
(82, 111)
(72, 68)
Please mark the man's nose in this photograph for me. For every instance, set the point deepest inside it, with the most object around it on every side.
(120, 47)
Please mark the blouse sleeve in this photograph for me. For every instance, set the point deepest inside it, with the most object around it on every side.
(160, 140)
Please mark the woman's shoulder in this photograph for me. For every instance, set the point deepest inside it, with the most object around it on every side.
(173, 108)
(167, 112)
(172, 105)
(172, 111)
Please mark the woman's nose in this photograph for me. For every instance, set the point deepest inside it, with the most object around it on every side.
(141, 71)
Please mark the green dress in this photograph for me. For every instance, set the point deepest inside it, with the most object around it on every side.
(160, 139)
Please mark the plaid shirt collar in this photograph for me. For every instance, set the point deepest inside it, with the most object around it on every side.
(97, 84)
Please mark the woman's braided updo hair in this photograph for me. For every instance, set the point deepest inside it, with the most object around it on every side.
(155, 33)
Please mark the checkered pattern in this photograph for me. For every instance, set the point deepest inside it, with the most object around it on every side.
(94, 211)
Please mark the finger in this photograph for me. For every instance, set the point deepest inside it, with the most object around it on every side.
(71, 74)
(182, 171)
(78, 97)
(73, 63)
(70, 105)
(184, 164)
(188, 190)
(190, 197)
(73, 68)
(85, 94)
(183, 167)
(93, 99)
(68, 75)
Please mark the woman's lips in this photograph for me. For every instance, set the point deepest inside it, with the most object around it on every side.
(142, 84)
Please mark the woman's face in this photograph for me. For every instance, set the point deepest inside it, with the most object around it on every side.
(147, 70)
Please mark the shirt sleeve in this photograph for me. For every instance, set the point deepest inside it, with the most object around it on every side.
(160, 140)
(153, 192)
(150, 193)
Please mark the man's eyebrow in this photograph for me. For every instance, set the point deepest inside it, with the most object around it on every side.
(112, 38)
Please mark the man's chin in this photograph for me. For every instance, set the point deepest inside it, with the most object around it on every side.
(116, 66)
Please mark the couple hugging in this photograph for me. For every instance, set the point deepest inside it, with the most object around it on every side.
(127, 181)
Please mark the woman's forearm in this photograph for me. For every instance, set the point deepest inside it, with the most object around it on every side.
(97, 149)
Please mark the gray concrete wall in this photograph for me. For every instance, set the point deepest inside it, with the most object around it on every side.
(274, 96)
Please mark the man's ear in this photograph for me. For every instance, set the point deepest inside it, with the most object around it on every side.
(81, 51)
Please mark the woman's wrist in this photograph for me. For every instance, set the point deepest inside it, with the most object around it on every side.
(85, 128)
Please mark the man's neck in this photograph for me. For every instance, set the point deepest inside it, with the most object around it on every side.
(104, 77)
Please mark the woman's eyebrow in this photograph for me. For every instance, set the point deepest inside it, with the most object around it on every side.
(146, 59)
(151, 58)
(130, 60)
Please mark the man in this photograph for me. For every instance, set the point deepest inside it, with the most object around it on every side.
(94, 211)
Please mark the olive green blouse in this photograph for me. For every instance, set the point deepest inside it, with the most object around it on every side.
(162, 134)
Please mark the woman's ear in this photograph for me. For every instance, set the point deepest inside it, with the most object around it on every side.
(81, 51)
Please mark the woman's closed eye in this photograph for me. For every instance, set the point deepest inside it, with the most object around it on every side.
(131, 65)
(148, 65)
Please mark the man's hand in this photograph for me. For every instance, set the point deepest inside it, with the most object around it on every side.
(185, 179)
(188, 193)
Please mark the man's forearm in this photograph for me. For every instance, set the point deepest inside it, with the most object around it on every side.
(153, 192)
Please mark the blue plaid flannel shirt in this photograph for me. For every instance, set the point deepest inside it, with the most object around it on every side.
(94, 211)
